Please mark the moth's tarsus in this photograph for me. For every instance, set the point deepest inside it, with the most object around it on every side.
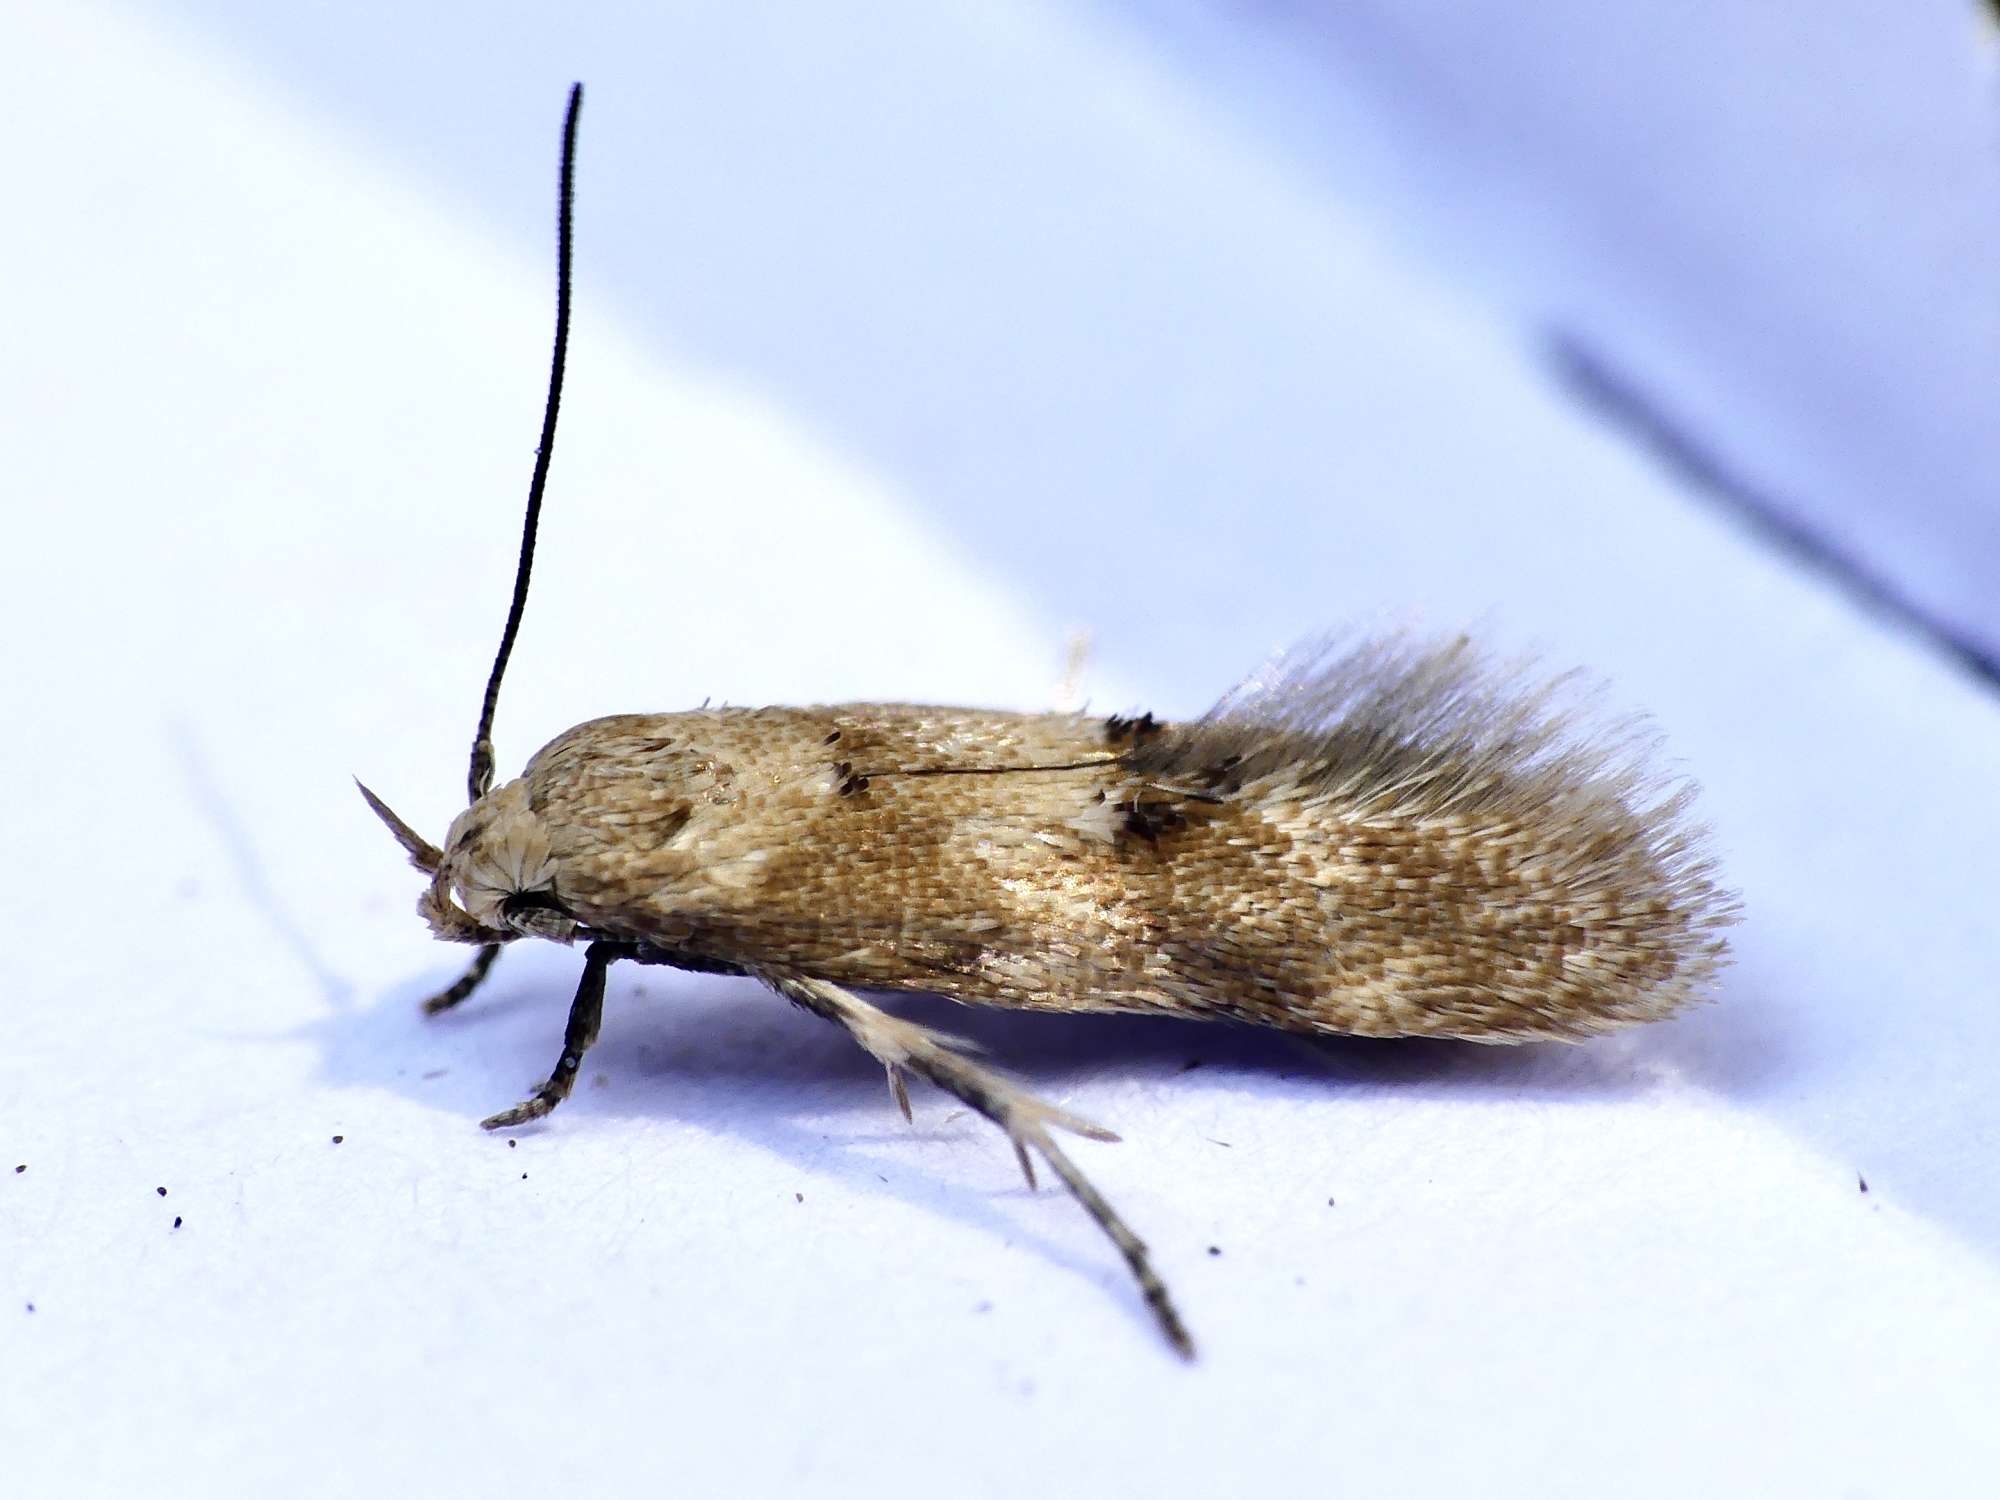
(586, 1012)
(1129, 1245)
(1027, 1167)
(455, 992)
(900, 1044)
(479, 773)
(899, 1090)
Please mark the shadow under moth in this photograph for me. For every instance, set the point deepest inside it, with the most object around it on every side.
(1375, 837)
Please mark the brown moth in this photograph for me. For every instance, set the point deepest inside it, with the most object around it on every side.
(1379, 838)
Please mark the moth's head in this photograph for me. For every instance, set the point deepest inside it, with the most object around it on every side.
(496, 863)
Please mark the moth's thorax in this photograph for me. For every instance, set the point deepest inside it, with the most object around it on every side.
(497, 848)
(735, 826)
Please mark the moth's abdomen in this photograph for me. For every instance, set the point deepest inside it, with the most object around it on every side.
(1454, 927)
(1307, 918)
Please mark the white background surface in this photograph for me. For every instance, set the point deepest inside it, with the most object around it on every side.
(905, 344)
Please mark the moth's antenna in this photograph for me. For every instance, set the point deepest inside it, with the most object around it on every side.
(479, 777)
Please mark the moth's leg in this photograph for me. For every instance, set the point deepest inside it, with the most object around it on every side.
(585, 1012)
(905, 1047)
(474, 976)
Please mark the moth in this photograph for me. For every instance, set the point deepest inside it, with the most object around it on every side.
(1386, 838)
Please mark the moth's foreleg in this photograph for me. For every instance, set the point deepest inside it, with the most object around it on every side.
(586, 1011)
(474, 976)
(903, 1046)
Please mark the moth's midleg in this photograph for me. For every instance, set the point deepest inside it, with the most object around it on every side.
(586, 1011)
(474, 976)
(903, 1045)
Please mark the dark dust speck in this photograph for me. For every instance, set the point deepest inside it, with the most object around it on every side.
(338, 1139)
(524, 1177)
(31, 1307)
(1329, 1203)
(177, 1221)
(1862, 1180)
(161, 1191)
(1215, 1249)
(801, 1197)
(511, 1143)
(22, 1168)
